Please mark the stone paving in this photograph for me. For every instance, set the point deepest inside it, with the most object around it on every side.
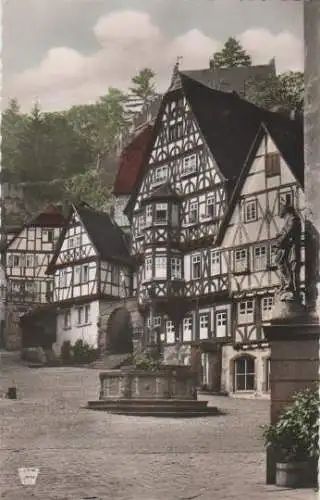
(91, 455)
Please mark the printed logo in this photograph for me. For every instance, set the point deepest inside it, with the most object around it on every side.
(28, 475)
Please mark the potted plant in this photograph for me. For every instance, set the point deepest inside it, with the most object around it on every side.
(294, 439)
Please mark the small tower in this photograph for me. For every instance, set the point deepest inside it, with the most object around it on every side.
(175, 79)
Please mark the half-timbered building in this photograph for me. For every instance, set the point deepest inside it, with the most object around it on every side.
(203, 139)
(27, 256)
(90, 269)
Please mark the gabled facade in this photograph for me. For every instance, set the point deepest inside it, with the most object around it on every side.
(191, 220)
(90, 268)
(27, 256)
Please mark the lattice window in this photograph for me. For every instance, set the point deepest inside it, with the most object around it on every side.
(149, 215)
(204, 325)
(161, 267)
(221, 323)
(148, 268)
(210, 207)
(176, 268)
(47, 236)
(272, 164)
(241, 260)
(260, 258)
(187, 329)
(266, 308)
(193, 212)
(170, 334)
(246, 311)
(189, 164)
(244, 374)
(196, 266)
(215, 262)
(160, 175)
(161, 215)
(250, 210)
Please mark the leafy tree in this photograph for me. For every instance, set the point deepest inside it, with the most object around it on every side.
(283, 93)
(143, 88)
(232, 55)
(87, 187)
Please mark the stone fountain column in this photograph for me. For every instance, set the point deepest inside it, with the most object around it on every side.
(294, 330)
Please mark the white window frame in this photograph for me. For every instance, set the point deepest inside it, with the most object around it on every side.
(63, 278)
(215, 262)
(221, 323)
(77, 272)
(176, 268)
(211, 202)
(240, 260)
(67, 320)
(193, 212)
(84, 276)
(187, 329)
(149, 215)
(161, 207)
(245, 374)
(30, 260)
(161, 266)
(266, 308)
(45, 236)
(161, 175)
(204, 325)
(148, 268)
(170, 333)
(246, 311)
(260, 258)
(250, 210)
(196, 259)
(70, 243)
(189, 165)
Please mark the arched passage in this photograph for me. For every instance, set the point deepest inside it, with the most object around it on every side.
(119, 332)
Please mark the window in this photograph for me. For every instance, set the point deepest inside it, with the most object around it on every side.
(85, 273)
(250, 208)
(161, 216)
(160, 175)
(175, 130)
(47, 236)
(161, 267)
(157, 321)
(141, 223)
(189, 165)
(266, 308)
(193, 211)
(77, 275)
(30, 287)
(204, 325)
(148, 268)
(244, 374)
(67, 319)
(215, 262)
(149, 215)
(221, 323)
(245, 312)
(115, 275)
(187, 329)
(63, 278)
(196, 267)
(83, 315)
(78, 240)
(170, 332)
(210, 206)
(272, 164)
(260, 258)
(176, 268)
(70, 243)
(16, 261)
(273, 255)
(241, 260)
(286, 198)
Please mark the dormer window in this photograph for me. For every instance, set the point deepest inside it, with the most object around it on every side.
(161, 213)
(189, 165)
(160, 175)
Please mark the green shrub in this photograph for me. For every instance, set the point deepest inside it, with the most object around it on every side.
(83, 353)
(146, 361)
(295, 435)
(66, 354)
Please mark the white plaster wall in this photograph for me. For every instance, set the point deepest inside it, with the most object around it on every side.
(88, 333)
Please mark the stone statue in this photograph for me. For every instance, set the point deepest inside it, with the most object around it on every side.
(288, 259)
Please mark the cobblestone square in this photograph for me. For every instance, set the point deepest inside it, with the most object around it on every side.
(84, 454)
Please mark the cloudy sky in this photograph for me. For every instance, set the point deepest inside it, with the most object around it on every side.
(64, 52)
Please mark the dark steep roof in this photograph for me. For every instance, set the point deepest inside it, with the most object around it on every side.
(110, 242)
(107, 237)
(231, 79)
(163, 192)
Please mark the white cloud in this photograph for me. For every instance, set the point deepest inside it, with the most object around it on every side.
(129, 41)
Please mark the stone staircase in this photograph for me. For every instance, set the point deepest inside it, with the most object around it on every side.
(175, 408)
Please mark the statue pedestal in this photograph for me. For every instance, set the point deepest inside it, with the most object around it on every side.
(293, 336)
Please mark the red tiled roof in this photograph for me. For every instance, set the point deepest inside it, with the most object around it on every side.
(130, 162)
(51, 216)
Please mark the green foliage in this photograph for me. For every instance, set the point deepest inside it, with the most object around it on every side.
(143, 88)
(295, 435)
(282, 92)
(80, 352)
(146, 361)
(87, 187)
(232, 55)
